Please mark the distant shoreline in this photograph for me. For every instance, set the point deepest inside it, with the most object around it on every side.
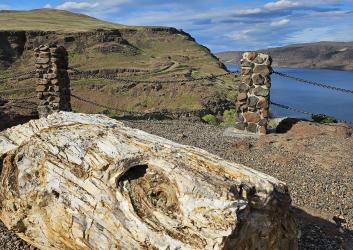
(321, 55)
(293, 67)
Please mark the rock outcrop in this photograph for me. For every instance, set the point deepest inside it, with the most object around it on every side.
(75, 181)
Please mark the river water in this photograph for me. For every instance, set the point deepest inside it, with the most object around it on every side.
(311, 98)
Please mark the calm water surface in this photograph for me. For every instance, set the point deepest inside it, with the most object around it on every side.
(310, 98)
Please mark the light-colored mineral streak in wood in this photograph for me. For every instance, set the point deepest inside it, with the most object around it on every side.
(78, 181)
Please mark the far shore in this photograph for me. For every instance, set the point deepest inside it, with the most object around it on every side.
(293, 67)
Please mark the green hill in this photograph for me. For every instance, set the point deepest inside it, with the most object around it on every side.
(51, 20)
(152, 53)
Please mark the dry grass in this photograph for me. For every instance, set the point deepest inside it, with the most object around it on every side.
(174, 52)
(51, 20)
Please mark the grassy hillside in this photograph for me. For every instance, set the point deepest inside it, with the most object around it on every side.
(330, 55)
(51, 20)
(154, 53)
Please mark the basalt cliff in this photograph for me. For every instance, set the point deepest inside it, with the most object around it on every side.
(114, 50)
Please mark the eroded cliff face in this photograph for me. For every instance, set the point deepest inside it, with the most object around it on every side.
(75, 181)
(17, 46)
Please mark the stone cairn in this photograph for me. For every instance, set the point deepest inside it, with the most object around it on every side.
(53, 82)
(253, 100)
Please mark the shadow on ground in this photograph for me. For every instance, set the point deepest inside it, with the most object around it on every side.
(8, 121)
(318, 233)
(286, 124)
(14, 113)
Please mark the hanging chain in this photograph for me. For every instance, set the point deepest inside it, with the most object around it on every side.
(304, 112)
(313, 83)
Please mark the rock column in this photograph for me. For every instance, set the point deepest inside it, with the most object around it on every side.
(53, 82)
(253, 100)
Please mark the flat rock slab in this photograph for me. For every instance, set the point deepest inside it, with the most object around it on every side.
(241, 134)
(78, 181)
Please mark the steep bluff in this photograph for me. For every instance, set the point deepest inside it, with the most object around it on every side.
(16, 47)
(140, 53)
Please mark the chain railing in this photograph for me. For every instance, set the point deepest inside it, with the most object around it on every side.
(305, 112)
(313, 83)
(137, 113)
(323, 85)
(176, 112)
(23, 105)
(24, 75)
(102, 105)
(30, 74)
(18, 102)
(18, 89)
(21, 98)
(129, 80)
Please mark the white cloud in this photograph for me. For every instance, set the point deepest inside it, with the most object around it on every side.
(233, 26)
(333, 13)
(320, 1)
(77, 5)
(281, 22)
(248, 11)
(328, 33)
(48, 6)
(282, 4)
(5, 7)
(242, 35)
(97, 8)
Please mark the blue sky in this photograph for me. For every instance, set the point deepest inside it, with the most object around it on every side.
(223, 24)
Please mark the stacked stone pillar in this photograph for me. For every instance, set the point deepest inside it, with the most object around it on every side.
(253, 100)
(53, 82)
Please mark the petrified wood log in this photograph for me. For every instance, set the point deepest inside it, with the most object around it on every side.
(76, 181)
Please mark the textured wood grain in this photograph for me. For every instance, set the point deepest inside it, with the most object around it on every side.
(76, 181)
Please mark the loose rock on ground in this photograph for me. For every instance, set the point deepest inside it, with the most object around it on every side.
(314, 160)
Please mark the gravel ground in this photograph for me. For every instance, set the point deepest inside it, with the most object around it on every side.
(318, 169)
(10, 241)
(315, 161)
